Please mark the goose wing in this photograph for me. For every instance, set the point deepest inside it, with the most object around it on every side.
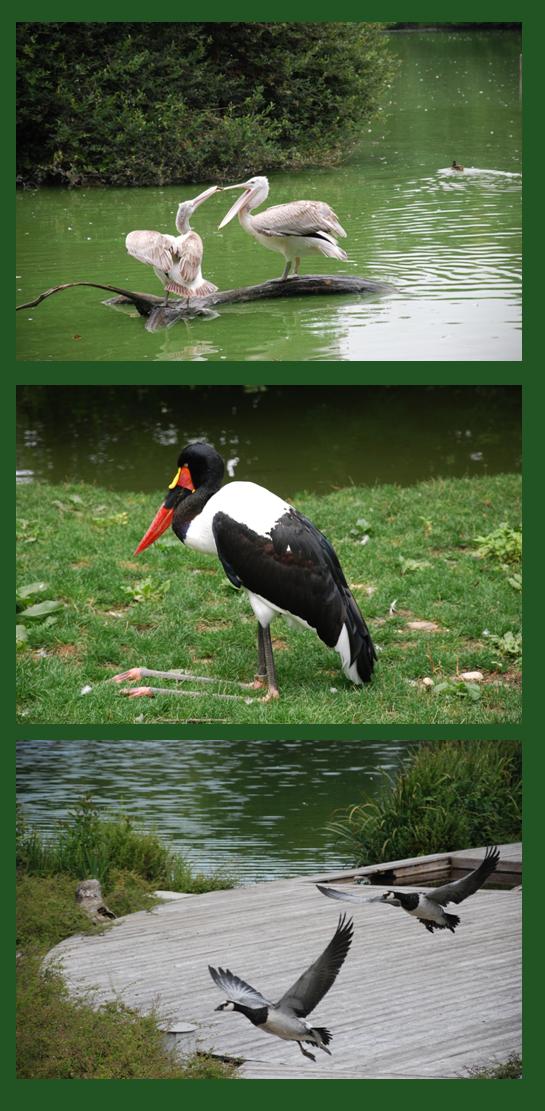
(306, 992)
(311, 218)
(190, 252)
(152, 248)
(237, 990)
(459, 890)
(348, 896)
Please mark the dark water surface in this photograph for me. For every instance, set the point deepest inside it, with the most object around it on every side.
(257, 809)
(450, 243)
(287, 438)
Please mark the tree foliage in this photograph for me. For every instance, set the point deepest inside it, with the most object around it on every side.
(158, 103)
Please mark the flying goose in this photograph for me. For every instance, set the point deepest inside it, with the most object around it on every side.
(427, 906)
(286, 1019)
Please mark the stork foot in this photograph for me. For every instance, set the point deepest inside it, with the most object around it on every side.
(259, 682)
(271, 694)
(136, 674)
(138, 692)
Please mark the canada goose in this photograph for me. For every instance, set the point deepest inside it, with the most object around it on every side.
(427, 906)
(285, 1019)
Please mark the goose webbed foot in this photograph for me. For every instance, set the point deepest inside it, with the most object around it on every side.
(306, 1052)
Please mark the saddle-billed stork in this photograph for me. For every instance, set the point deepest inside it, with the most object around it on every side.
(286, 565)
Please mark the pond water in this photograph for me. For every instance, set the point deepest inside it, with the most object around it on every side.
(257, 809)
(450, 243)
(128, 437)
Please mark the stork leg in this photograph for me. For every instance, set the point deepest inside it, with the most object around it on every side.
(261, 675)
(273, 691)
(138, 673)
(305, 1052)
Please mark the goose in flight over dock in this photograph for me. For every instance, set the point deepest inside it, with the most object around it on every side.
(176, 259)
(281, 559)
(427, 906)
(293, 229)
(286, 1019)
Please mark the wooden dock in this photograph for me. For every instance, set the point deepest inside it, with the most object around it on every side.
(407, 1004)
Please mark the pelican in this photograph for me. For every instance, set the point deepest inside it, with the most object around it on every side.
(294, 229)
(176, 259)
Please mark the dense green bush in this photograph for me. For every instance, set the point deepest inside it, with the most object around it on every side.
(89, 846)
(157, 103)
(451, 795)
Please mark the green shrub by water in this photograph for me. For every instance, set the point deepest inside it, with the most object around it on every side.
(451, 795)
(154, 103)
(88, 846)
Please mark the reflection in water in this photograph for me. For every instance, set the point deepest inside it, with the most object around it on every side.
(450, 247)
(330, 437)
(257, 809)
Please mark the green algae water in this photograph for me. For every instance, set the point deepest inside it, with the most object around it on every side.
(448, 242)
(258, 809)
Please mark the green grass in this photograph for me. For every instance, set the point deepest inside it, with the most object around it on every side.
(511, 1069)
(59, 1037)
(112, 850)
(172, 608)
(451, 794)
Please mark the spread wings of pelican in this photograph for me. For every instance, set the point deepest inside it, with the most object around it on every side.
(176, 259)
(294, 229)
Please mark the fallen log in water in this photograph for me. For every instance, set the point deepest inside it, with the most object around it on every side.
(160, 315)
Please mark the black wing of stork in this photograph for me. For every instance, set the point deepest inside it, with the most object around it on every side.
(297, 570)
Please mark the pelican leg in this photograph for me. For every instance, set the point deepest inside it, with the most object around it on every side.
(297, 265)
(273, 691)
(305, 1052)
(286, 270)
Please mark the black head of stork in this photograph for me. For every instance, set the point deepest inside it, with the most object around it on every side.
(280, 558)
(199, 476)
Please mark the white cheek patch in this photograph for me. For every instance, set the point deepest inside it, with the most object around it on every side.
(229, 1006)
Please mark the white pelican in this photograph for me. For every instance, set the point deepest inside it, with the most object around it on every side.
(176, 259)
(293, 229)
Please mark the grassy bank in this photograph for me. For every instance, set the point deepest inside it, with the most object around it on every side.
(452, 794)
(61, 1038)
(439, 601)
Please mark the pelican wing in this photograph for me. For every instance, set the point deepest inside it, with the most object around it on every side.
(306, 992)
(459, 890)
(348, 896)
(152, 248)
(309, 218)
(190, 253)
(237, 990)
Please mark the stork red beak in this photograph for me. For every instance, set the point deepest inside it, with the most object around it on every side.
(159, 525)
(240, 201)
(164, 515)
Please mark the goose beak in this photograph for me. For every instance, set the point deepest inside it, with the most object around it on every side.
(239, 203)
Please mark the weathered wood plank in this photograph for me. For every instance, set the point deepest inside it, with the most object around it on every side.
(405, 1005)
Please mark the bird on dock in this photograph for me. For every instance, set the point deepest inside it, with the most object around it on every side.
(286, 1019)
(280, 558)
(293, 229)
(89, 899)
(427, 906)
(176, 259)
(456, 166)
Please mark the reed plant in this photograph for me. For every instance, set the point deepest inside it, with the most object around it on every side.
(450, 795)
